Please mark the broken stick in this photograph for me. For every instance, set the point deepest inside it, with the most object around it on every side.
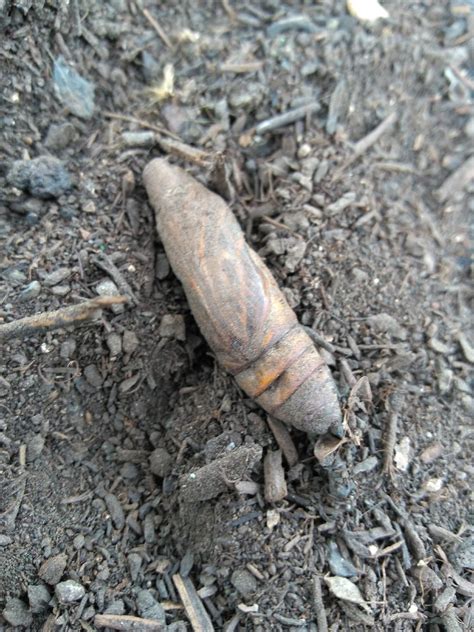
(197, 614)
(63, 317)
(366, 143)
(127, 623)
(284, 440)
(275, 484)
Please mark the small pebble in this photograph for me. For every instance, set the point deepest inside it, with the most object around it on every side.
(129, 471)
(114, 343)
(439, 346)
(116, 607)
(134, 565)
(149, 533)
(44, 177)
(149, 608)
(341, 204)
(115, 510)
(5, 540)
(16, 613)
(14, 276)
(464, 554)
(139, 139)
(60, 136)
(67, 213)
(69, 591)
(4, 387)
(129, 341)
(469, 128)
(32, 219)
(61, 290)
(92, 375)
(172, 326)
(39, 597)
(365, 466)
(428, 579)
(161, 463)
(385, 323)
(72, 90)
(68, 348)
(162, 266)
(52, 569)
(244, 582)
(150, 67)
(55, 277)
(186, 564)
(446, 598)
(34, 447)
(338, 564)
(321, 171)
(79, 541)
(32, 290)
(106, 287)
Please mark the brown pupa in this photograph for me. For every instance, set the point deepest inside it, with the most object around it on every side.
(238, 305)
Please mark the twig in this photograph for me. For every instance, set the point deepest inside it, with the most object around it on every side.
(372, 137)
(156, 25)
(229, 10)
(319, 341)
(140, 123)
(288, 117)
(284, 440)
(105, 263)
(63, 317)
(457, 181)
(273, 222)
(183, 150)
(127, 623)
(413, 539)
(365, 143)
(77, 18)
(197, 614)
(319, 605)
(242, 67)
(394, 404)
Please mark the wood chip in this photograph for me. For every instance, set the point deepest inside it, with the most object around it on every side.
(319, 605)
(127, 623)
(275, 484)
(216, 477)
(197, 614)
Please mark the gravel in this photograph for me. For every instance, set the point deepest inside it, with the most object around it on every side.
(244, 582)
(69, 591)
(52, 569)
(44, 177)
(16, 613)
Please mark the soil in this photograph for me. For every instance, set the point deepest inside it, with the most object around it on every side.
(102, 424)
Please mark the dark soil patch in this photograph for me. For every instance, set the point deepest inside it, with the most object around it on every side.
(384, 277)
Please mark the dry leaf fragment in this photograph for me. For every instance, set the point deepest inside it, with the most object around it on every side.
(367, 10)
(166, 88)
(326, 446)
(344, 589)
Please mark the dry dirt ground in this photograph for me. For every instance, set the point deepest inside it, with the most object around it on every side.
(360, 208)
